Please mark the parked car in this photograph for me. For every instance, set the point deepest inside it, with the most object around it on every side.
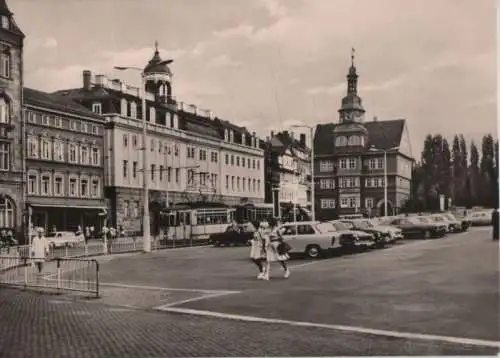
(64, 239)
(310, 237)
(241, 236)
(381, 238)
(480, 218)
(463, 222)
(419, 226)
(387, 234)
(452, 225)
(350, 238)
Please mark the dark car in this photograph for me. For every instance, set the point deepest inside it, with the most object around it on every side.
(381, 237)
(240, 235)
(419, 226)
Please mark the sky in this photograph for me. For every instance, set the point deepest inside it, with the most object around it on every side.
(269, 64)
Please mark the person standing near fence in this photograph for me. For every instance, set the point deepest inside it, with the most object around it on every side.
(39, 249)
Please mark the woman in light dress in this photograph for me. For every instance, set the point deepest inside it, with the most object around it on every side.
(257, 251)
(272, 241)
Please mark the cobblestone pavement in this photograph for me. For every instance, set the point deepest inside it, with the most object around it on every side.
(35, 325)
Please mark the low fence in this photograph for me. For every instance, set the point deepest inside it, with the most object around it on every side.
(59, 274)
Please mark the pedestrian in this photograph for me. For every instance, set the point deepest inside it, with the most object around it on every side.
(273, 240)
(39, 249)
(496, 224)
(257, 251)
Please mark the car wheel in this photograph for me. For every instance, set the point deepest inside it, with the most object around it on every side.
(217, 244)
(313, 251)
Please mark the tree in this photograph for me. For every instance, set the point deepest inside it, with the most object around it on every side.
(458, 173)
(486, 171)
(474, 175)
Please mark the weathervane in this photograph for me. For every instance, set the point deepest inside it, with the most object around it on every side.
(156, 45)
(353, 51)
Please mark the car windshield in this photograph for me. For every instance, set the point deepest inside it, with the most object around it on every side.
(422, 219)
(438, 218)
(325, 227)
(450, 216)
(340, 226)
(363, 224)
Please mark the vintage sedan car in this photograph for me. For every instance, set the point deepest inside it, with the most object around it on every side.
(480, 218)
(419, 226)
(241, 236)
(350, 238)
(64, 239)
(452, 225)
(386, 234)
(310, 237)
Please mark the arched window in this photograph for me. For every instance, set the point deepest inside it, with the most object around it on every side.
(354, 140)
(340, 141)
(6, 213)
(4, 111)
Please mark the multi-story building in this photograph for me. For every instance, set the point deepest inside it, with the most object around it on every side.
(12, 143)
(65, 164)
(192, 156)
(349, 161)
(288, 173)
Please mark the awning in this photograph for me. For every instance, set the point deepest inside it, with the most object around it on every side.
(67, 206)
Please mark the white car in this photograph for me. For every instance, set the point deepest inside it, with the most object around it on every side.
(310, 237)
(480, 218)
(350, 239)
(391, 233)
(64, 239)
(452, 224)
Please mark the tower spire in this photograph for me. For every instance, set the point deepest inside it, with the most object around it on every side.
(353, 52)
(156, 46)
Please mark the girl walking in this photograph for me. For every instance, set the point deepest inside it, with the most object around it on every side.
(257, 252)
(272, 241)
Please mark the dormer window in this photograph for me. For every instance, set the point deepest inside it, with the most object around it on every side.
(123, 107)
(231, 136)
(97, 108)
(226, 135)
(341, 141)
(243, 139)
(133, 110)
(152, 114)
(176, 121)
(354, 140)
(5, 22)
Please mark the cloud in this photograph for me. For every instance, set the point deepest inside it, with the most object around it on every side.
(49, 42)
(276, 8)
(223, 61)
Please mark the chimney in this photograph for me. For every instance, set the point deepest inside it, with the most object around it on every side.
(292, 135)
(375, 118)
(272, 134)
(87, 80)
(303, 140)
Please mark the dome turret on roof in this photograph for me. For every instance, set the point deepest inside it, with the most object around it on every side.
(157, 65)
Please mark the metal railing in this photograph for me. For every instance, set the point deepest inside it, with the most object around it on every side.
(59, 274)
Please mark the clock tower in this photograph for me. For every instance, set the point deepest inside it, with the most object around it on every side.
(352, 110)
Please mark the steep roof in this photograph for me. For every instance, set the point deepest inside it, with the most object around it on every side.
(283, 141)
(56, 102)
(381, 134)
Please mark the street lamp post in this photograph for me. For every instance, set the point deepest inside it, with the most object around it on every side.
(313, 207)
(373, 148)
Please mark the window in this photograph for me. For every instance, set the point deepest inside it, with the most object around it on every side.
(177, 175)
(6, 213)
(159, 147)
(227, 181)
(203, 154)
(326, 166)
(33, 147)
(126, 208)
(176, 150)
(134, 141)
(96, 156)
(327, 183)
(46, 153)
(58, 185)
(369, 203)
(232, 182)
(5, 25)
(133, 110)
(232, 159)
(95, 188)
(380, 163)
(32, 183)
(84, 154)
(31, 117)
(4, 111)
(97, 108)
(258, 185)
(58, 151)
(73, 186)
(349, 182)
(45, 184)
(84, 187)
(125, 140)
(352, 163)
(226, 135)
(327, 203)
(343, 163)
(231, 136)
(152, 146)
(243, 162)
(243, 182)
(238, 183)
(354, 140)
(190, 176)
(237, 161)
(152, 114)
(85, 127)
(213, 157)
(253, 184)
(161, 172)
(253, 163)
(72, 125)
(341, 141)
(153, 169)
(134, 170)
(372, 163)
(5, 63)
(72, 153)
(4, 156)
(190, 152)
(227, 159)
(125, 168)
(258, 164)
(344, 202)
(95, 130)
